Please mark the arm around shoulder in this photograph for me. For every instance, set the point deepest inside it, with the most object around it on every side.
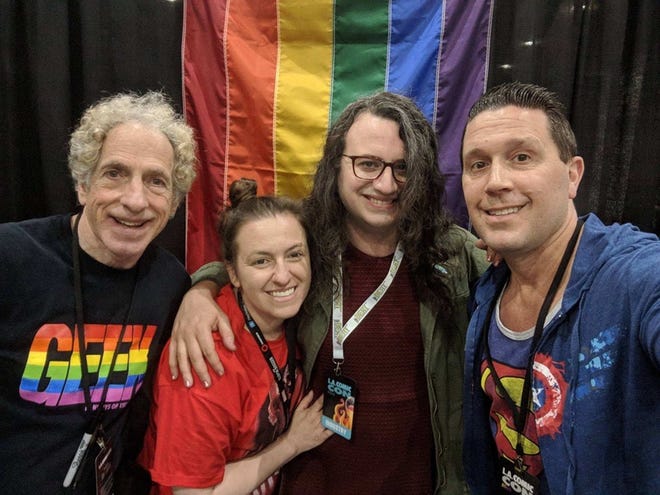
(472, 257)
(214, 271)
(199, 316)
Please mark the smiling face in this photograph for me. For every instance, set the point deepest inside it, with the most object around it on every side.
(518, 191)
(372, 205)
(272, 269)
(130, 196)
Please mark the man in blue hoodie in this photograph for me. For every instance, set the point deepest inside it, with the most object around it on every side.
(568, 325)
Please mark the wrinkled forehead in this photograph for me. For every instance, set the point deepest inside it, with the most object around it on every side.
(133, 142)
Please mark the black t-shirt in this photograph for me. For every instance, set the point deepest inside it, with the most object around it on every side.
(42, 404)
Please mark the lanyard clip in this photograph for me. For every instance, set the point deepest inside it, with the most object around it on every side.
(519, 464)
(338, 363)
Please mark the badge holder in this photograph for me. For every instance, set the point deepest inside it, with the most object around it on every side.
(339, 405)
(97, 445)
(103, 465)
(515, 479)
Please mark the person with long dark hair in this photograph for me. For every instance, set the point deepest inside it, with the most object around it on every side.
(385, 330)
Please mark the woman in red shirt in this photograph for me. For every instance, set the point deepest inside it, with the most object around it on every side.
(232, 436)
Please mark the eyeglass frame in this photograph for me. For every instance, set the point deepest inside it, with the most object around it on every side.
(375, 158)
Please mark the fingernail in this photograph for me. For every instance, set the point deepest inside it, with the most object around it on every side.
(188, 384)
(173, 377)
(206, 384)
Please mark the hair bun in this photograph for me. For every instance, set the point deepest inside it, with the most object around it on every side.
(242, 189)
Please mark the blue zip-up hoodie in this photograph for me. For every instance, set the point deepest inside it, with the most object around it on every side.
(605, 341)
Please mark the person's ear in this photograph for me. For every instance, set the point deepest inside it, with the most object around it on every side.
(81, 192)
(176, 201)
(232, 275)
(575, 173)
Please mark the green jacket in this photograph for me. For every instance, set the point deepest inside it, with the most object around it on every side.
(444, 342)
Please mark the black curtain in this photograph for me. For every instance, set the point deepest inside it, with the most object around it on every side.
(59, 56)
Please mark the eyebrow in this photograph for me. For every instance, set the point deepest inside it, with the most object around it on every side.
(514, 142)
(149, 171)
(112, 163)
(297, 245)
(522, 142)
(369, 155)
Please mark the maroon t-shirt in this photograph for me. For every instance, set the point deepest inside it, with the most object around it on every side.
(391, 450)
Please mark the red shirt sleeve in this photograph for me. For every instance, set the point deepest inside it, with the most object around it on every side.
(193, 438)
(193, 433)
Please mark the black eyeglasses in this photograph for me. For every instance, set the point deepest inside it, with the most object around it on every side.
(371, 167)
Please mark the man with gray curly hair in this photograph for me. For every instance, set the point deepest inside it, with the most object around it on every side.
(86, 301)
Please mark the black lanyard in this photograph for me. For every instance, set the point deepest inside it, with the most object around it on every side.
(520, 415)
(284, 391)
(85, 381)
(76, 469)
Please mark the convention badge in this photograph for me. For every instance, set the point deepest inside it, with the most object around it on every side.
(103, 465)
(339, 405)
(515, 479)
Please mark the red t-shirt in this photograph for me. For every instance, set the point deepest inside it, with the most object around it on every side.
(193, 433)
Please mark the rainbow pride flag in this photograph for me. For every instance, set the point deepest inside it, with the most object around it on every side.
(263, 79)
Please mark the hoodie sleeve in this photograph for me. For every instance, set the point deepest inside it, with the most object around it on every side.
(648, 292)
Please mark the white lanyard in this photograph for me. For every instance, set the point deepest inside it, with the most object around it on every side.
(340, 333)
